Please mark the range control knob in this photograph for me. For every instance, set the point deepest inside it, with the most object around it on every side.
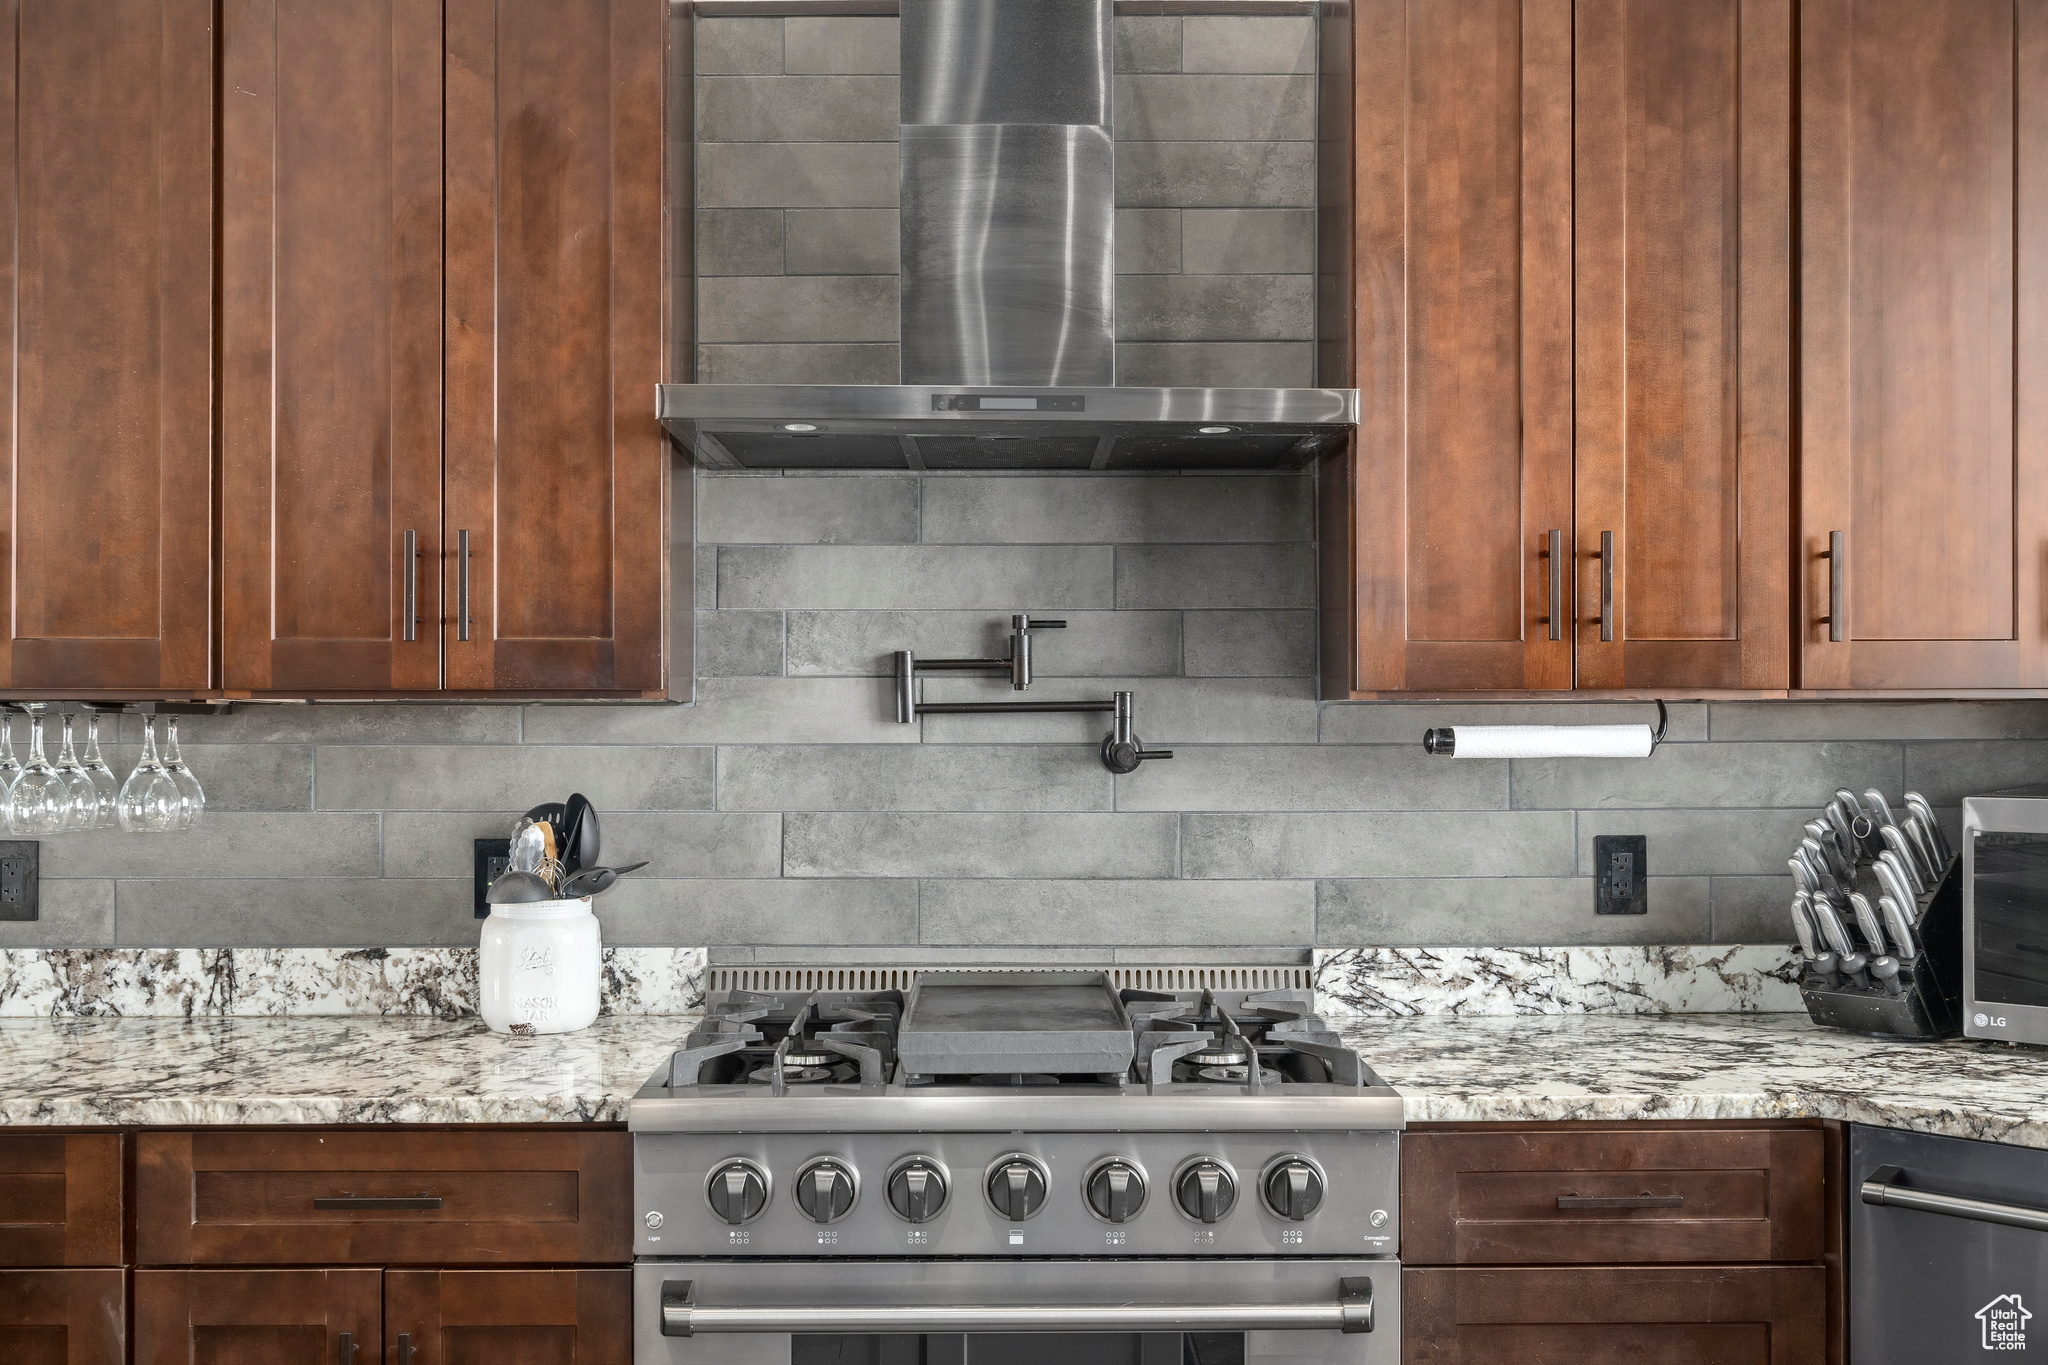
(825, 1189)
(1293, 1188)
(1115, 1190)
(1205, 1190)
(737, 1190)
(917, 1189)
(1016, 1186)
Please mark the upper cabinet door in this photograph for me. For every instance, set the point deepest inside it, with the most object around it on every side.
(1464, 351)
(331, 345)
(557, 471)
(106, 140)
(1684, 342)
(1924, 138)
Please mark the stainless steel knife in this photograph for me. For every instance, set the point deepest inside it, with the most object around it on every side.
(1839, 822)
(1823, 837)
(1880, 809)
(1849, 961)
(1923, 842)
(1899, 849)
(1802, 875)
(1922, 807)
(1894, 885)
(1867, 922)
(1819, 960)
(1900, 926)
(1818, 861)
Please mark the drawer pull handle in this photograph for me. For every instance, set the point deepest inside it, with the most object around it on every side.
(1621, 1201)
(405, 1348)
(351, 1201)
(346, 1352)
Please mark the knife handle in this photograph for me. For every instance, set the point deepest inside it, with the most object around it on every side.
(1606, 587)
(1556, 556)
(1837, 556)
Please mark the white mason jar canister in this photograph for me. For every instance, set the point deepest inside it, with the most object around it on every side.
(538, 967)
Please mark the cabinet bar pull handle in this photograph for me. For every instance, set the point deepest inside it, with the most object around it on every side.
(405, 1348)
(1622, 1201)
(462, 585)
(412, 586)
(367, 1201)
(1837, 556)
(1606, 586)
(345, 1352)
(1557, 585)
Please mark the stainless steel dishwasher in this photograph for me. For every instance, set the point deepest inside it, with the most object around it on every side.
(1948, 1249)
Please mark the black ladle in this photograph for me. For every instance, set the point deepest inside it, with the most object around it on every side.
(592, 881)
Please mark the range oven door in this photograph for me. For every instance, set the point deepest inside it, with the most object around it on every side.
(1001, 1312)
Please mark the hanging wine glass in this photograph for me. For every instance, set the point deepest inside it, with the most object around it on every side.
(191, 796)
(106, 788)
(10, 766)
(40, 798)
(81, 805)
(149, 800)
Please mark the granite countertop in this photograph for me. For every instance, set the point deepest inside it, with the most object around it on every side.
(1450, 1068)
(1463, 1069)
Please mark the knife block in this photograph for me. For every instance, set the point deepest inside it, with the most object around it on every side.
(1930, 1006)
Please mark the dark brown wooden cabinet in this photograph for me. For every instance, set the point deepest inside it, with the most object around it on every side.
(557, 471)
(1708, 1315)
(240, 1198)
(1682, 393)
(557, 1317)
(1508, 1197)
(1587, 1243)
(442, 304)
(330, 477)
(61, 1199)
(257, 1317)
(1573, 330)
(106, 428)
(1924, 196)
(1463, 458)
(64, 1317)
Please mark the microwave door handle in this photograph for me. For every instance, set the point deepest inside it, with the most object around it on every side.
(1350, 1311)
(1883, 1188)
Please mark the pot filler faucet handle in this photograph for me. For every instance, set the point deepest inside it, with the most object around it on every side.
(1122, 750)
(1021, 626)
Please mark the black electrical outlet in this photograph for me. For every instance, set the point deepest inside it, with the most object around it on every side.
(1621, 872)
(492, 857)
(19, 864)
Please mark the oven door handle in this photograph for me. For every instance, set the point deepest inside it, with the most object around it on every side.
(1350, 1311)
(1882, 1188)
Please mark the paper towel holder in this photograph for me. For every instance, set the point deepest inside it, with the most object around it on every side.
(1442, 740)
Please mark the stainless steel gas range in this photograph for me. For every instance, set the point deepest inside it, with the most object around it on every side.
(1008, 1167)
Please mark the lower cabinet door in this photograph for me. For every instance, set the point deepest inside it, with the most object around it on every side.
(63, 1317)
(258, 1317)
(533, 1317)
(1697, 1315)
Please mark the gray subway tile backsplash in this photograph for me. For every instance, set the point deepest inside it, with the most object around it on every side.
(1248, 43)
(788, 817)
(839, 45)
(797, 108)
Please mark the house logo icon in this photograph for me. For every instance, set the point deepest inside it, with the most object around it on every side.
(2005, 1321)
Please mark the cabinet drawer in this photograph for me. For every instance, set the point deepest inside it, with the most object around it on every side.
(1523, 1196)
(1726, 1315)
(60, 1199)
(361, 1197)
(64, 1317)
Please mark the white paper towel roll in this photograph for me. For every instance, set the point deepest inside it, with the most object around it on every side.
(1551, 741)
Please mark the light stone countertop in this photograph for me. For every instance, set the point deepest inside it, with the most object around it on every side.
(344, 1069)
(1462, 1069)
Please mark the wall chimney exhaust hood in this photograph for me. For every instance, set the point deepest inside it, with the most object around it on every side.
(1008, 212)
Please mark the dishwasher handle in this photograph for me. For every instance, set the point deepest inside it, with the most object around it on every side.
(1883, 1188)
(1351, 1311)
